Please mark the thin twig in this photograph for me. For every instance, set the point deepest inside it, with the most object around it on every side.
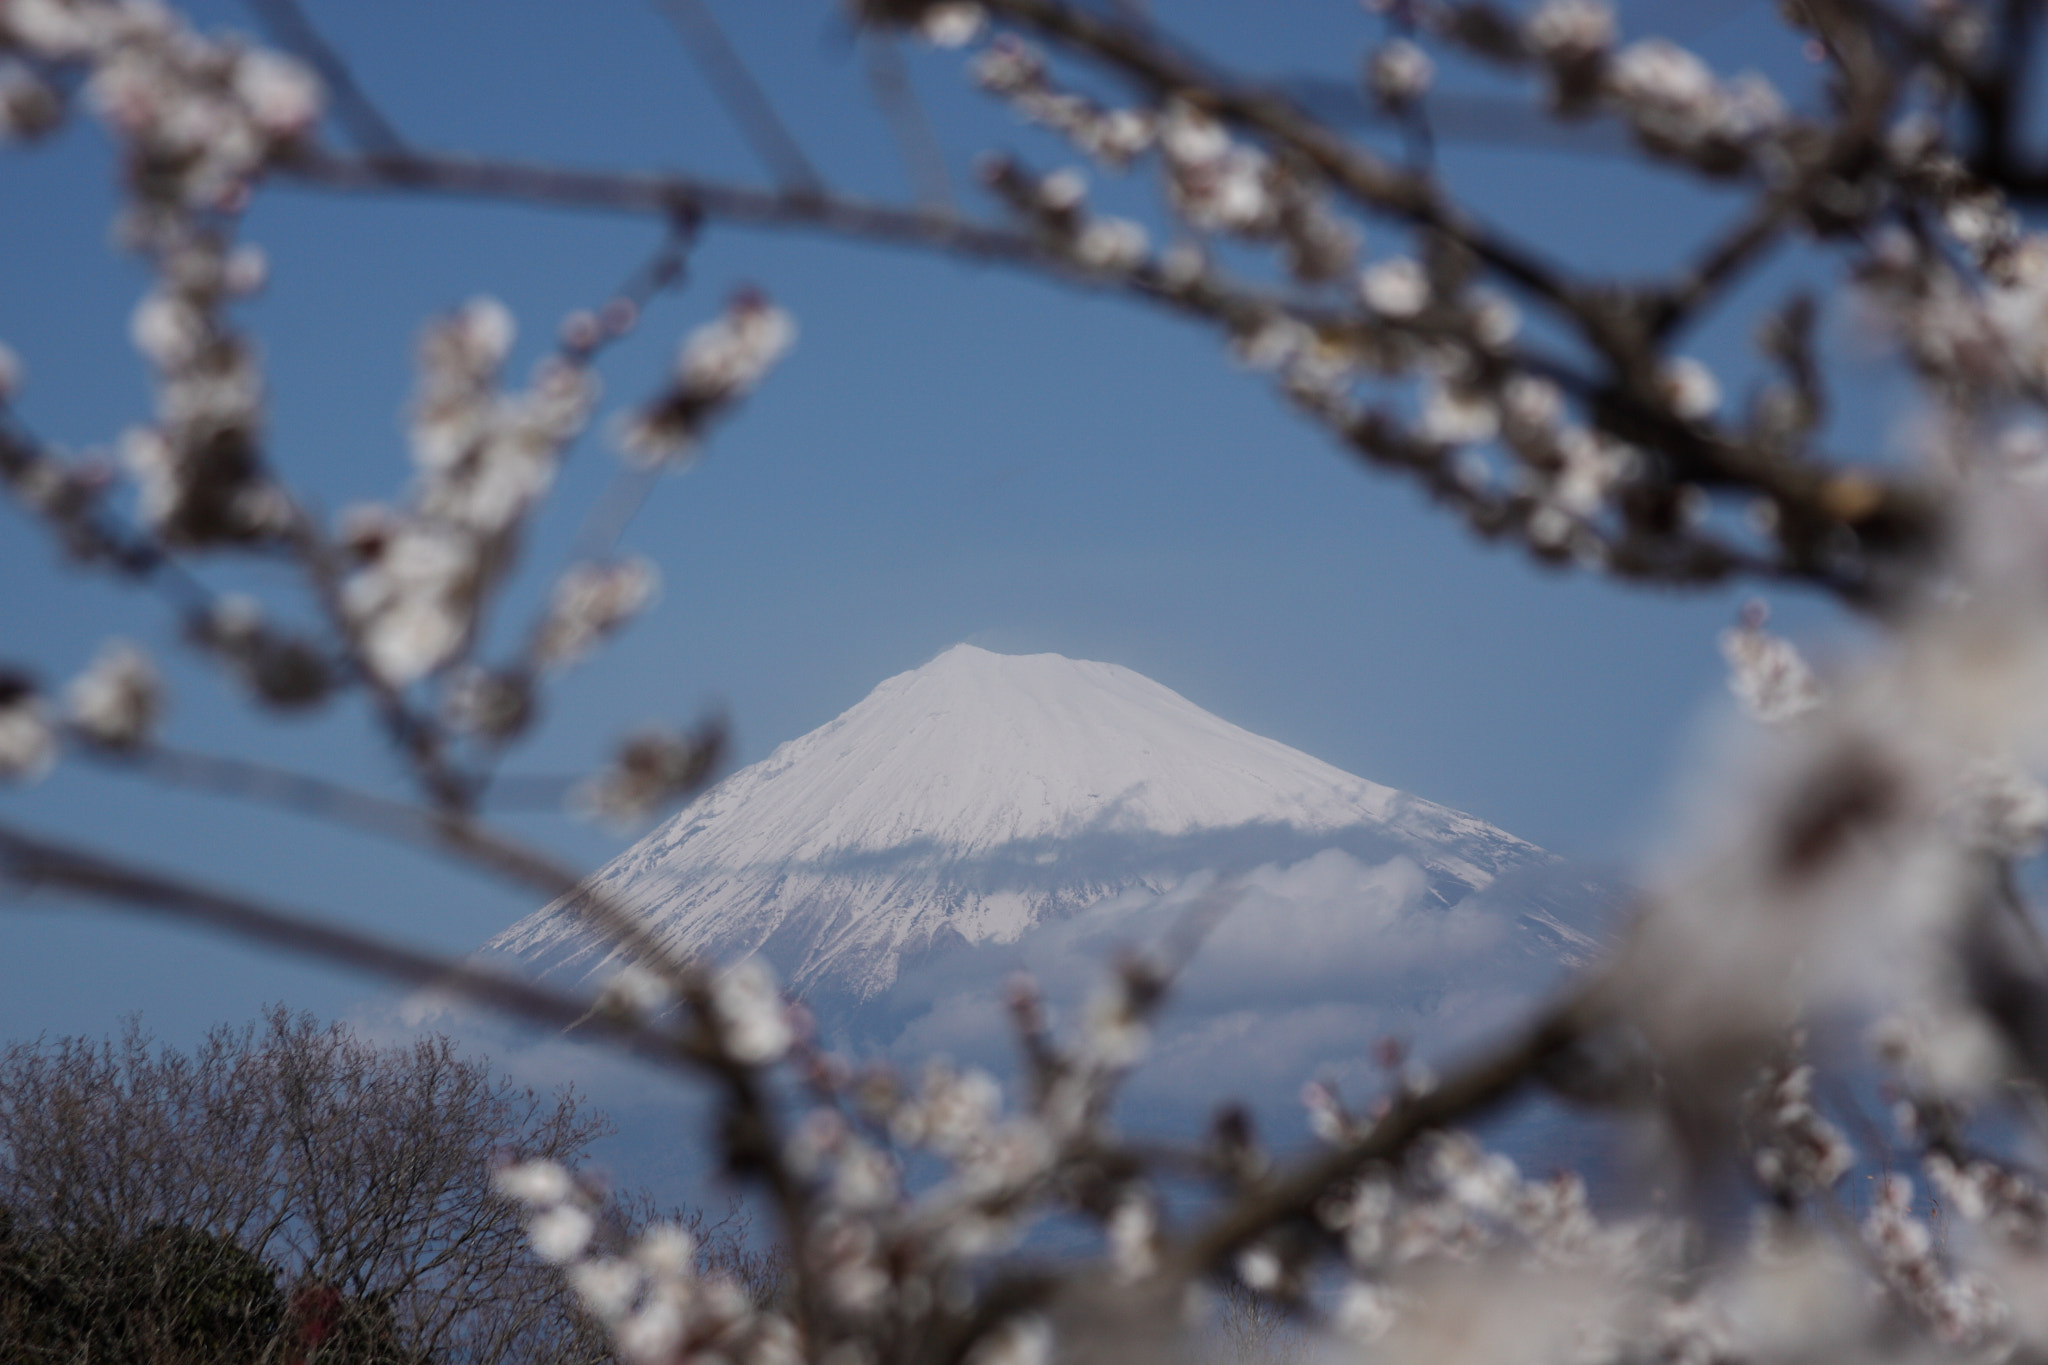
(897, 98)
(438, 831)
(289, 27)
(36, 863)
(742, 95)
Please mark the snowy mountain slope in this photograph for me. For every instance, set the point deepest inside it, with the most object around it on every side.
(968, 800)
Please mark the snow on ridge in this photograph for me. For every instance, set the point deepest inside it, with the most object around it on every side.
(977, 750)
(957, 799)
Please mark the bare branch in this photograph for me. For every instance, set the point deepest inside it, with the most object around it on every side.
(34, 863)
(742, 95)
(897, 99)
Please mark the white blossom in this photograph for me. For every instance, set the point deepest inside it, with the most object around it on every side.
(652, 1334)
(1400, 73)
(168, 329)
(118, 700)
(1690, 388)
(719, 363)
(2002, 808)
(607, 1286)
(560, 1233)
(1571, 29)
(413, 604)
(590, 602)
(1766, 673)
(537, 1184)
(752, 1018)
(1215, 183)
(635, 992)
(952, 24)
(1111, 244)
(728, 357)
(1132, 1228)
(282, 96)
(1259, 1268)
(1019, 1341)
(1395, 288)
(666, 1250)
(28, 745)
(1455, 415)
(52, 28)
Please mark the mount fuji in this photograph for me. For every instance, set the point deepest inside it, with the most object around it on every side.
(989, 812)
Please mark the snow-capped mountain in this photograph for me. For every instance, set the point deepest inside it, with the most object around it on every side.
(982, 796)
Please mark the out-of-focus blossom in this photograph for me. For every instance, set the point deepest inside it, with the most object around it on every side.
(650, 768)
(537, 1184)
(2002, 808)
(1024, 1340)
(635, 993)
(119, 699)
(561, 1233)
(1395, 288)
(1677, 107)
(283, 670)
(492, 704)
(1132, 1228)
(1399, 74)
(280, 93)
(1690, 388)
(1017, 71)
(752, 1018)
(720, 363)
(10, 374)
(28, 745)
(1561, 30)
(1111, 244)
(1794, 1151)
(412, 603)
(1216, 183)
(1961, 1310)
(1456, 415)
(1766, 673)
(953, 24)
(29, 108)
(590, 602)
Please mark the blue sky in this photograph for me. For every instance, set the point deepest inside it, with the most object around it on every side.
(950, 453)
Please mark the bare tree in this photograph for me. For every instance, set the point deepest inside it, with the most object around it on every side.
(1864, 861)
(357, 1177)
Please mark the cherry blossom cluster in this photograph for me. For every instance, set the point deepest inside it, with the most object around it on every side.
(423, 574)
(1795, 1152)
(652, 1297)
(1859, 862)
(649, 769)
(1962, 1309)
(719, 364)
(1017, 71)
(1057, 205)
(199, 122)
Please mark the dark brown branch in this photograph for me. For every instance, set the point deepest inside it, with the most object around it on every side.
(34, 863)
(666, 196)
(1463, 1096)
(1143, 57)
(1888, 518)
(432, 830)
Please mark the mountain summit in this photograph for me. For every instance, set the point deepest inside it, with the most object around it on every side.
(969, 800)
